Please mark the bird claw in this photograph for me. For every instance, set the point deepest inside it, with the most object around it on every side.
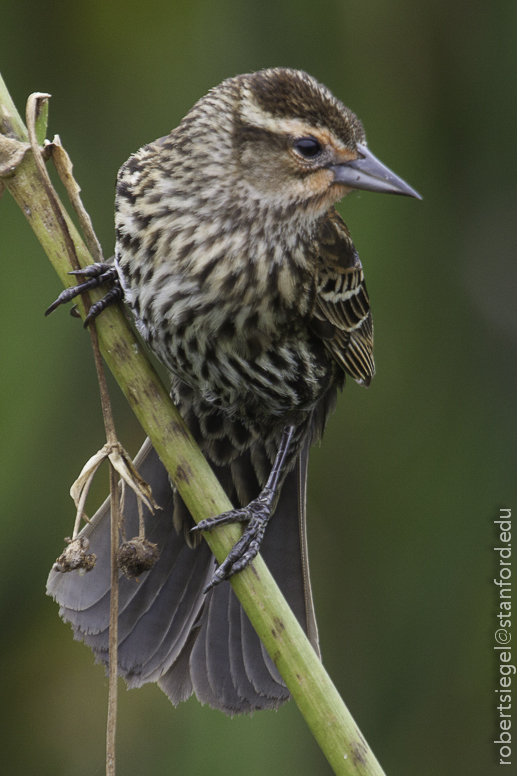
(257, 515)
(242, 552)
(94, 270)
(233, 516)
(115, 294)
(98, 275)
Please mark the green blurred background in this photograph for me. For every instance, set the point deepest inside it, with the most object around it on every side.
(412, 472)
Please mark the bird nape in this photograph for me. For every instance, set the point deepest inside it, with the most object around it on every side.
(244, 281)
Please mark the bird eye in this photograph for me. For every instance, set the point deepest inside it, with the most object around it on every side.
(308, 147)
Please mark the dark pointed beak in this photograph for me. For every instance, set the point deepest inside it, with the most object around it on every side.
(368, 173)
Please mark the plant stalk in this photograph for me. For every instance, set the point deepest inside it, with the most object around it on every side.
(311, 687)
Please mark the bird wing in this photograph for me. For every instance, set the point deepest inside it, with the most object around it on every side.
(341, 316)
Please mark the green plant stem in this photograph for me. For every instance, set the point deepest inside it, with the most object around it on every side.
(302, 671)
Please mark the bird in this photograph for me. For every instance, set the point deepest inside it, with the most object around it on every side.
(244, 281)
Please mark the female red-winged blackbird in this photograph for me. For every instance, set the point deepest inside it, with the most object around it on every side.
(244, 281)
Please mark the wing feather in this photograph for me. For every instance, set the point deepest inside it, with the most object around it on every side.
(342, 301)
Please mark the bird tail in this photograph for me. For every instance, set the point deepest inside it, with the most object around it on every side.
(169, 631)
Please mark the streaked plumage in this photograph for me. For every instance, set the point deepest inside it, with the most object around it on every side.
(244, 281)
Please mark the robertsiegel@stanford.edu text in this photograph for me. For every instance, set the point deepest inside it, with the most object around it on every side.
(503, 635)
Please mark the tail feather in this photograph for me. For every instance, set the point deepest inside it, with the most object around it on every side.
(169, 631)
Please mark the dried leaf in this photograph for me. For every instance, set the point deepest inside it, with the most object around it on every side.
(11, 154)
(64, 167)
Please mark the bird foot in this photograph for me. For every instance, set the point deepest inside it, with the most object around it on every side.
(99, 274)
(256, 515)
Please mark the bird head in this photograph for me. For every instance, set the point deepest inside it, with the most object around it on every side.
(297, 144)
